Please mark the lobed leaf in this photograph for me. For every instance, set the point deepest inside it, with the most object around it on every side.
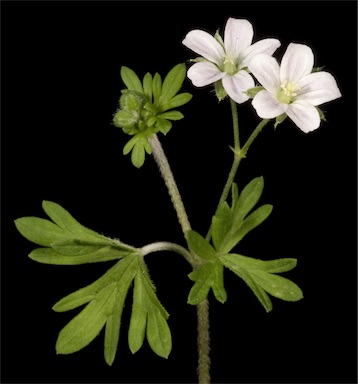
(171, 115)
(221, 225)
(82, 329)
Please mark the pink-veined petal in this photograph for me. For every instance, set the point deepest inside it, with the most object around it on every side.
(304, 115)
(236, 85)
(266, 46)
(205, 45)
(267, 71)
(318, 88)
(267, 106)
(296, 63)
(204, 73)
(237, 36)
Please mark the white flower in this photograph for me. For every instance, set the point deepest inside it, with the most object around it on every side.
(227, 60)
(292, 89)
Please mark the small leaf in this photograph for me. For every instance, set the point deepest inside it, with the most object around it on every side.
(172, 83)
(40, 231)
(157, 87)
(176, 101)
(131, 80)
(250, 222)
(131, 143)
(200, 246)
(138, 154)
(171, 115)
(209, 275)
(204, 278)
(148, 85)
(163, 125)
(221, 224)
(277, 286)
(248, 198)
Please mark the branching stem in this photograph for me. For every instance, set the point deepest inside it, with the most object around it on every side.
(203, 307)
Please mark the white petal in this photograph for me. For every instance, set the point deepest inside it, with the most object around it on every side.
(304, 115)
(205, 45)
(296, 63)
(204, 73)
(237, 84)
(267, 106)
(318, 88)
(238, 35)
(267, 46)
(267, 71)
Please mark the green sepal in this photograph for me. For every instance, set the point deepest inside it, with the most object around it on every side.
(252, 92)
(280, 119)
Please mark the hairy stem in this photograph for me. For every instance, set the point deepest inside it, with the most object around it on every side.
(166, 246)
(203, 307)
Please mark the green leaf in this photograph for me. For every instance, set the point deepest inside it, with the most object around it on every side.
(50, 256)
(249, 223)
(163, 125)
(200, 246)
(176, 101)
(138, 154)
(270, 266)
(171, 115)
(209, 275)
(204, 278)
(80, 331)
(157, 87)
(148, 317)
(40, 231)
(131, 80)
(106, 297)
(229, 225)
(172, 83)
(258, 275)
(148, 85)
(277, 286)
(221, 225)
(248, 198)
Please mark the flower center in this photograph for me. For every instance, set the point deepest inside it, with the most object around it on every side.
(229, 64)
(288, 92)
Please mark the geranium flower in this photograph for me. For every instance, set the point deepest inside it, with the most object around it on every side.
(292, 89)
(227, 60)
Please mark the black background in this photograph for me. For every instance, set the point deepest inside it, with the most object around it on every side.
(60, 86)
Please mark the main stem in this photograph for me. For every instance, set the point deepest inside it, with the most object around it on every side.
(203, 307)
